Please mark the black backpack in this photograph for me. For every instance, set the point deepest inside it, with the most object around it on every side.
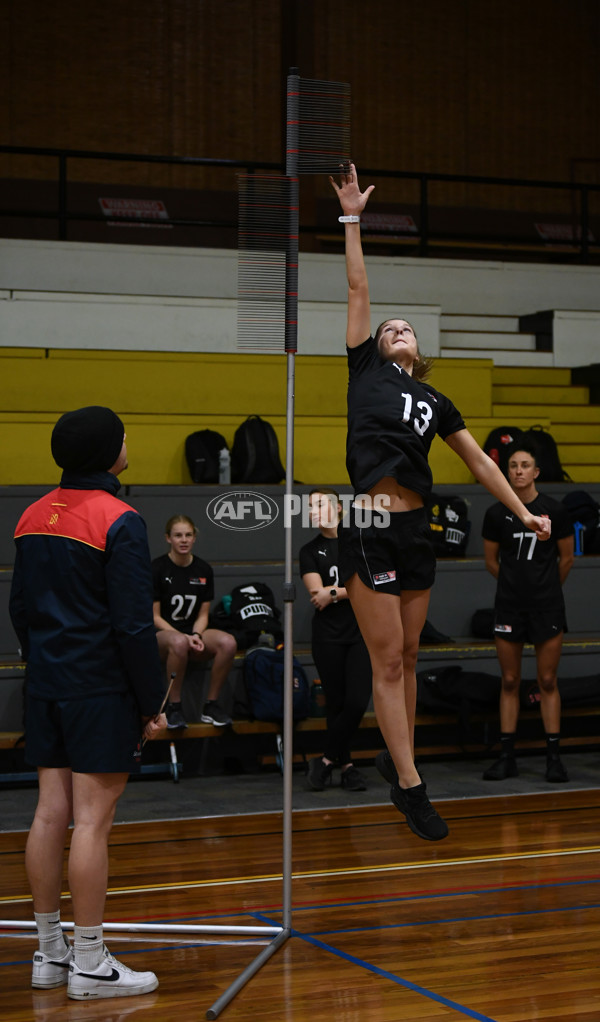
(443, 689)
(255, 453)
(584, 512)
(202, 455)
(451, 690)
(430, 635)
(449, 524)
(264, 677)
(248, 612)
(482, 623)
(546, 455)
(499, 442)
(583, 691)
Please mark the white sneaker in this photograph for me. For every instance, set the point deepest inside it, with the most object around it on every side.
(110, 979)
(51, 972)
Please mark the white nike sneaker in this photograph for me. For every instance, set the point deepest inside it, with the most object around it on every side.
(110, 979)
(51, 972)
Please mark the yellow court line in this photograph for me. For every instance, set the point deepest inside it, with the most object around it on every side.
(313, 875)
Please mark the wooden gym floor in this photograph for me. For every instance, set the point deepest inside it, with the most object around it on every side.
(500, 922)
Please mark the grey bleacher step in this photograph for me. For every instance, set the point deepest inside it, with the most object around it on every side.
(515, 357)
(487, 324)
(487, 341)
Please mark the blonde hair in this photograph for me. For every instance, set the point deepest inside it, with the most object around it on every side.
(175, 519)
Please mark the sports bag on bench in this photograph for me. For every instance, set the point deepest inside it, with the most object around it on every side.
(498, 443)
(584, 512)
(255, 453)
(248, 612)
(202, 450)
(264, 680)
(449, 524)
(546, 455)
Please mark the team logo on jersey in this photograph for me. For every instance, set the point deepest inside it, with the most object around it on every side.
(503, 628)
(197, 581)
(384, 576)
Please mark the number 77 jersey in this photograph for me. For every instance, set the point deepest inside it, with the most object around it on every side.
(528, 569)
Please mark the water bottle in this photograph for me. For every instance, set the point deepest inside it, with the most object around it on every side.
(224, 466)
(579, 534)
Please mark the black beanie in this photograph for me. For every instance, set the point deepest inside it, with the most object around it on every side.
(88, 439)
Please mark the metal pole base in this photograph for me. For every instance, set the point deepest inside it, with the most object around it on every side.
(215, 1010)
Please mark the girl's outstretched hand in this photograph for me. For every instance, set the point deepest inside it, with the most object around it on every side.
(352, 200)
(541, 525)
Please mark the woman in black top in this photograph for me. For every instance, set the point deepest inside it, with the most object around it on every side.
(530, 607)
(339, 651)
(386, 559)
(183, 589)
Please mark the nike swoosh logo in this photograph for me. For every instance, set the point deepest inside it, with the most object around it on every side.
(91, 938)
(114, 976)
(59, 965)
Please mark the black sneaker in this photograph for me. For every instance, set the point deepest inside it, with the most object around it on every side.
(213, 714)
(422, 818)
(353, 780)
(386, 766)
(174, 716)
(319, 774)
(555, 771)
(504, 767)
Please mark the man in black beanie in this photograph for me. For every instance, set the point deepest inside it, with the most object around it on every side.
(81, 605)
(87, 440)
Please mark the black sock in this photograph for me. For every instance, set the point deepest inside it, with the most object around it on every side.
(552, 743)
(507, 744)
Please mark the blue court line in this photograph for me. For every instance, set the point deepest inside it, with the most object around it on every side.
(461, 919)
(398, 980)
(450, 893)
(391, 900)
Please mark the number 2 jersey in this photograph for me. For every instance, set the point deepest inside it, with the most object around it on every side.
(528, 576)
(392, 420)
(182, 591)
(336, 622)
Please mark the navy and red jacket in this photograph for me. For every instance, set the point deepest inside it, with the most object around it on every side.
(81, 596)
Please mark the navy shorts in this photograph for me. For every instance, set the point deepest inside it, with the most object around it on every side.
(389, 559)
(533, 626)
(99, 735)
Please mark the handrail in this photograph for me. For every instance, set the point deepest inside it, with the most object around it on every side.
(580, 190)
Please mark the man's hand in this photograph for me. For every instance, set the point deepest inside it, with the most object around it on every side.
(152, 726)
(196, 642)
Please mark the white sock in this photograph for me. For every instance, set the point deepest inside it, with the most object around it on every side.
(50, 934)
(88, 947)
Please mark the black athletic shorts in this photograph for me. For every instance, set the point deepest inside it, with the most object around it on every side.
(529, 625)
(390, 559)
(99, 735)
